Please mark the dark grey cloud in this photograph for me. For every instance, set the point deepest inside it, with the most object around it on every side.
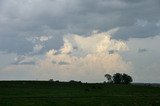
(63, 63)
(141, 50)
(15, 44)
(54, 62)
(20, 19)
(111, 52)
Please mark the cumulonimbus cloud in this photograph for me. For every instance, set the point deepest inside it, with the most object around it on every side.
(84, 58)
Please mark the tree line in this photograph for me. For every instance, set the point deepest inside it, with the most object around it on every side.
(119, 78)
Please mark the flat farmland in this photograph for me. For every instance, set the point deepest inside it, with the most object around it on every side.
(51, 93)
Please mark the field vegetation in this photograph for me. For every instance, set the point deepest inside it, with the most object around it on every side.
(75, 93)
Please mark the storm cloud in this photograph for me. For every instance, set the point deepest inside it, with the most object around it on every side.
(20, 19)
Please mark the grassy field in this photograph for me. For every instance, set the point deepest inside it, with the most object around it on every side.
(47, 93)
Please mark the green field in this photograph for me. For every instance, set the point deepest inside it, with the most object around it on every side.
(48, 93)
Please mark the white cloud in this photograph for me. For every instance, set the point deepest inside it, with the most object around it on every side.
(44, 38)
(95, 43)
(37, 48)
(88, 62)
(50, 53)
(38, 42)
(80, 58)
(67, 47)
(38, 39)
(24, 60)
(112, 31)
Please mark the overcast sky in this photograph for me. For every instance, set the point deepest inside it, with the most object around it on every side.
(79, 39)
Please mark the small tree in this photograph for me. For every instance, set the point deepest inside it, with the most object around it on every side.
(117, 78)
(108, 77)
(51, 80)
(126, 79)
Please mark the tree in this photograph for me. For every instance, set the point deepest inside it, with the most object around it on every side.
(51, 80)
(117, 78)
(108, 77)
(126, 79)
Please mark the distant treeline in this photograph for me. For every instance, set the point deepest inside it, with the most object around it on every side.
(117, 78)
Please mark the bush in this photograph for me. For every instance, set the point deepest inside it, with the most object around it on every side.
(51, 80)
(72, 81)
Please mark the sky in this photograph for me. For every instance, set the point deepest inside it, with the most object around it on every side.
(79, 39)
